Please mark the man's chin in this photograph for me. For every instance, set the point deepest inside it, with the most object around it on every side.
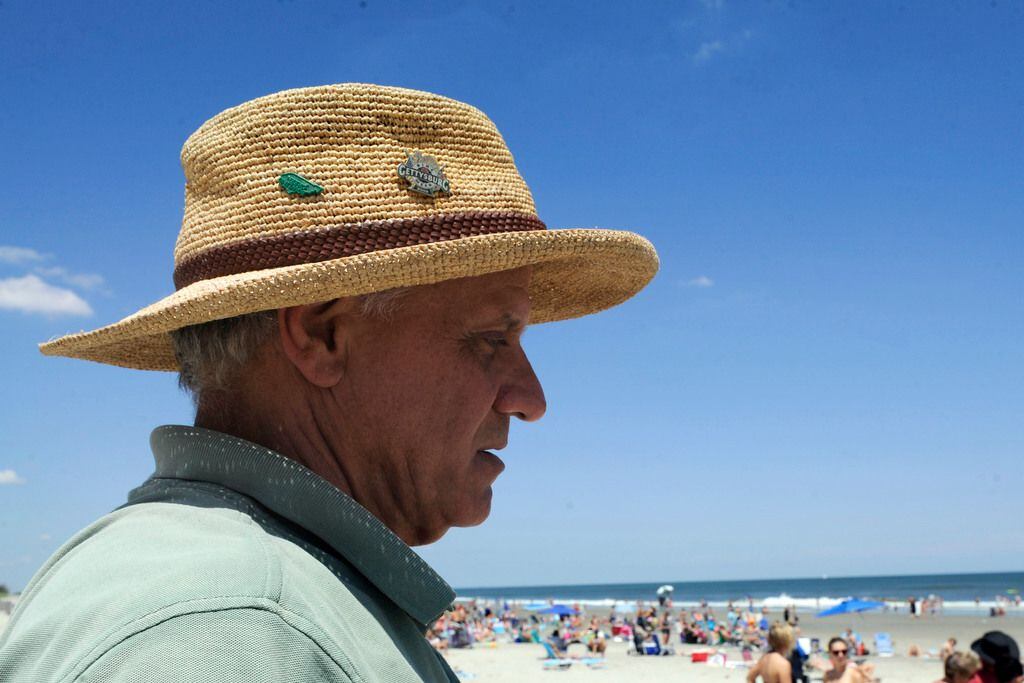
(474, 514)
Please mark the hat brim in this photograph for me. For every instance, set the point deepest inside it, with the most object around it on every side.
(575, 273)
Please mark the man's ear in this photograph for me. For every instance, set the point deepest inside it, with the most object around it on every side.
(315, 338)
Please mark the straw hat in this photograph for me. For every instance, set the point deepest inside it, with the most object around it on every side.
(312, 194)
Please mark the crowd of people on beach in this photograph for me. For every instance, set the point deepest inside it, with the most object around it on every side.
(651, 627)
(658, 629)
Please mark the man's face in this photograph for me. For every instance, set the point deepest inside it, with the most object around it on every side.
(427, 398)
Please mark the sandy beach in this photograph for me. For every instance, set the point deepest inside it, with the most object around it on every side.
(522, 662)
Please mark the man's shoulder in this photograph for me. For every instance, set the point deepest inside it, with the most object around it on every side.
(155, 576)
(164, 551)
(138, 565)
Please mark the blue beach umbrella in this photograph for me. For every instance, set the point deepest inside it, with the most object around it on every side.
(560, 610)
(851, 606)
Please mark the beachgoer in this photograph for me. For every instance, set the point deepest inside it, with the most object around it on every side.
(1000, 658)
(436, 637)
(843, 669)
(354, 273)
(665, 626)
(595, 638)
(558, 643)
(797, 658)
(960, 667)
(639, 633)
(774, 666)
(948, 648)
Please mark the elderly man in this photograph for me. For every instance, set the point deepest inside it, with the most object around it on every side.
(354, 273)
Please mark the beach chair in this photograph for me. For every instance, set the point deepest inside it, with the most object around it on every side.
(883, 644)
(652, 646)
(552, 661)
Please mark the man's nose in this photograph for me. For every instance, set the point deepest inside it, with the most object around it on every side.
(522, 396)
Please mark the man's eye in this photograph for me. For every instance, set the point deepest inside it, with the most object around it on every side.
(495, 340)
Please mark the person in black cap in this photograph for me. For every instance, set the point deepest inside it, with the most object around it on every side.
(1000, 658)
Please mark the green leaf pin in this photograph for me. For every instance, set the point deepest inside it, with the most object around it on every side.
(293, 183)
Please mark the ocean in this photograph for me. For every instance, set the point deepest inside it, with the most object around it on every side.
(961, 593)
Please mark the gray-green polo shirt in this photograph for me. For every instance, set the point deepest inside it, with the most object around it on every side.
(231, 563)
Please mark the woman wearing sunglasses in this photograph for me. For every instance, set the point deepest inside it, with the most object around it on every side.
(843, 670)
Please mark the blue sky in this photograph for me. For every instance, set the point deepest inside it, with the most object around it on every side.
(825, 377)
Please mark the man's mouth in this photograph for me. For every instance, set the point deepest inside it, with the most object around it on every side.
(492, 459)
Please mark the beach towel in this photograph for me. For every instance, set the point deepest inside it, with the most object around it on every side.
(559, 664)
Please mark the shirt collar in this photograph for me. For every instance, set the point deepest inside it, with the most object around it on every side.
(304, 498)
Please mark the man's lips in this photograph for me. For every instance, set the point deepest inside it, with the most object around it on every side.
(495, 445)
(492, 460)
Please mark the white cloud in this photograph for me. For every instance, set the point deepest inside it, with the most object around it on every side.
(85, 281)
(710, 48)
(19, 255)
(702, 281)
(31, 295)
(707, 50)
(10, 477)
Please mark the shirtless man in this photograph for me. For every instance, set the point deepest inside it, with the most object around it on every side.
(774, 666)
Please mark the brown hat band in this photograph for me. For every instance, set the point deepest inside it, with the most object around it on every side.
(325, 244)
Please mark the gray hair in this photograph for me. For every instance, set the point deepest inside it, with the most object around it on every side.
(211, 354)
